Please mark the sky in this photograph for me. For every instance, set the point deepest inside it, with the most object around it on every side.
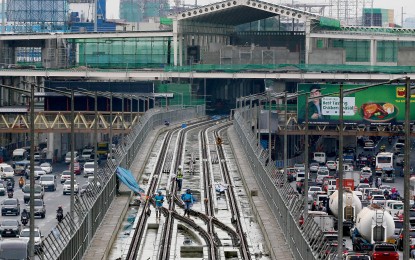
(408, 6)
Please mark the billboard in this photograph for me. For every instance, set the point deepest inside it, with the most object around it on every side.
(383, 104)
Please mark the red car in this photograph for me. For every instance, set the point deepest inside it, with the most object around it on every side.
(384, 251)
(76, 167)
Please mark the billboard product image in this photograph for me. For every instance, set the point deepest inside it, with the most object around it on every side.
(377, 105)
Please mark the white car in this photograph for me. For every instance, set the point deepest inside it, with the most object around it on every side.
(378, 199)
(2, 189)
(394, 207)
(25, 235)
(86, 154)
(365, 173)
(313, 190)
(6, 171)
(331, 165)
(300, 167)
(47, 167)
(66, 175)
(314, 166)
(67, 187)
(68, 157)
(89, 169)
(361, 186)
(321, 174)
(38, 171)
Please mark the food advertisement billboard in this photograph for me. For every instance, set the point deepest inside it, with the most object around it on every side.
(383, 104)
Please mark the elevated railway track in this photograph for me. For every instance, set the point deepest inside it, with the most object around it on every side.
(215, 231)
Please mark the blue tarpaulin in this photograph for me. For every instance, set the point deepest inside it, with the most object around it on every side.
(128, 179)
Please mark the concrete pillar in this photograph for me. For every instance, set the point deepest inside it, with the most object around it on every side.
(226, 90)
(175, 41)
(180, 49)
(48, 54)
(307, 40)
(51, 145)
(373, 52)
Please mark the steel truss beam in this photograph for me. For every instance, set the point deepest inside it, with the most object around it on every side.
(296, 128)
(84, 122)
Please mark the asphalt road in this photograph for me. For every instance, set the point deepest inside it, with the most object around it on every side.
(51, 199)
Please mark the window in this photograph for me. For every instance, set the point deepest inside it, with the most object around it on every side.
(10, 202)
(384, 159)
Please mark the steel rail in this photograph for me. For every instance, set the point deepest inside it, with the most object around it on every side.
(141, 225)
(244, 246)
(167, 233)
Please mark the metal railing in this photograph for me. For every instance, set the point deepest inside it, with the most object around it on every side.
(71, 238)
(283, 200)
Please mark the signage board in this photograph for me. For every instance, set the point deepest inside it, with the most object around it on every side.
(383, 104)
(169, 95)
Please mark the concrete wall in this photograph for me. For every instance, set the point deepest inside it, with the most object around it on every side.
(406, 56)
(8, 54)
(249, 55)
(54, 54)
(327, 56)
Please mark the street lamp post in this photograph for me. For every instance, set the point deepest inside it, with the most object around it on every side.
(72, 194)
(407, 165)
(269, 126)
(285, 137)
(32, 170)
(96, 136)
(72, 203)
(340, 177)
(306, 152)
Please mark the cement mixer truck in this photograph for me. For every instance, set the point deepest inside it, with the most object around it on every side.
(373, 224)
(351, 207)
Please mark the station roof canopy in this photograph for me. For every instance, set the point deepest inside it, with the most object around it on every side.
(236, 12)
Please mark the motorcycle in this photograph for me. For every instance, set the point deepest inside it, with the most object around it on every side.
(59, 216)
(21, 184)
(24, 220)
(10, 194)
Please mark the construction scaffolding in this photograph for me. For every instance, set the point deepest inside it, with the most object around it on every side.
(139, 11)
(349, 12)
(37, 15)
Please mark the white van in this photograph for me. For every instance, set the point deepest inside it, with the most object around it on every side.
(300, 176)
(320, 157)
(6, 171)
(19, 155)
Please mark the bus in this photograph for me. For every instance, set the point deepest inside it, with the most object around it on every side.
(19, 154)
(383, 160)
(103, 149)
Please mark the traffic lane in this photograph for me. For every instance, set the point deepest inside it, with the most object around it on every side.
(52, 200)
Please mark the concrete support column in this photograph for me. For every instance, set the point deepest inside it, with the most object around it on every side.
(51, 145)
(226, 94)
(307, 40)
(180, 36)
(373, 52)
(175, 27)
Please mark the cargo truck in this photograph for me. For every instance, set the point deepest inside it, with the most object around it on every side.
(351, 207)
(373, 225)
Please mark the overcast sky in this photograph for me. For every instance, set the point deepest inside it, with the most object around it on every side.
(408, 5)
